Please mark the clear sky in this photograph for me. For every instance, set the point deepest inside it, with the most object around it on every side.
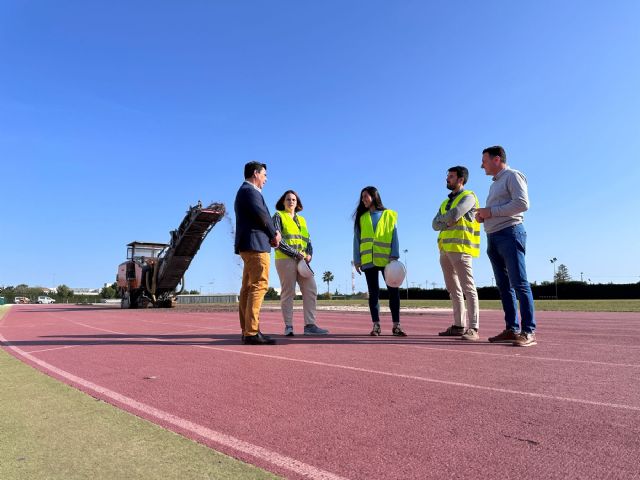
(116, 116)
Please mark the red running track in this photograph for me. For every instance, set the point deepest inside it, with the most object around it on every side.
(359, 407)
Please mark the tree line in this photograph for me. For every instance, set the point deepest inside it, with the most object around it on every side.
(63, 293)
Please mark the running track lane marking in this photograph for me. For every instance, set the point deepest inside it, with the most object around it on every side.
(430, 380)
(227, 328)
(379, 372)
(444, 349)
(236, 444)
(53, 348)
(518, 356)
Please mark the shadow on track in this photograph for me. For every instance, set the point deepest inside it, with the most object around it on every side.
(234, 340)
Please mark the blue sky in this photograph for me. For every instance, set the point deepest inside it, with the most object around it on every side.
(116, 116)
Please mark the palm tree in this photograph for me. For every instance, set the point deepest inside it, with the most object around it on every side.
(328, 278)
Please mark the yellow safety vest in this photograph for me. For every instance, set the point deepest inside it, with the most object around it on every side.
(464, 236)
(375, 247)
(294, 236)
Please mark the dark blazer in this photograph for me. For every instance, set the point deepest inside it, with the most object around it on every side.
(254, 226)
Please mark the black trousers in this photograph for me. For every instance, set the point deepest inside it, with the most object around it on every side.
(373, 285)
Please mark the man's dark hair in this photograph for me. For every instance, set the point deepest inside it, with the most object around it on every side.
(496, 151)
(251, 167)
(280, 202)
(461, 172)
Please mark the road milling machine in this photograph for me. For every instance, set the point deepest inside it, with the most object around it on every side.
(153, 274)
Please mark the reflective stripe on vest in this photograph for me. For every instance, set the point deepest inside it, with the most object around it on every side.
(294, 236)
(375, 247)
(464, 236)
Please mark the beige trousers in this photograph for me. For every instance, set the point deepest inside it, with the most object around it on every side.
(458, 277)
(255, 283)
(288, 272)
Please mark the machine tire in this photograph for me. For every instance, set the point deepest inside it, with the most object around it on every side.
(144, 302)
(125, 302)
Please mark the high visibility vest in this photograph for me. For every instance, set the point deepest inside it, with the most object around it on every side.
(464, 236)
(375, 247)
(294, 236)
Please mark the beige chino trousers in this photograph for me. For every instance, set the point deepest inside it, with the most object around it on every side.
(287, 269)
(458, 278)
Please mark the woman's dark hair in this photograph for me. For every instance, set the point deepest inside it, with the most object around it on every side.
(280, 203)
(360, 209)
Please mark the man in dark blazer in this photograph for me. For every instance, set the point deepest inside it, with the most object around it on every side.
(255, 235)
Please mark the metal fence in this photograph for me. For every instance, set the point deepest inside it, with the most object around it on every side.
(217, 298)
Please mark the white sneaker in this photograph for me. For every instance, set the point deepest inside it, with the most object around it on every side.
(288, 330)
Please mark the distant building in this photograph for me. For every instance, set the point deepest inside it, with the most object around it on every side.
(297, 293)
(86, 291)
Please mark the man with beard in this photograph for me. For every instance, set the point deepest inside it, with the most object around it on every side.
(459, 242)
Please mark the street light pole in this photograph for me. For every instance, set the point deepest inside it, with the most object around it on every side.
(555, 278)
(406, 278)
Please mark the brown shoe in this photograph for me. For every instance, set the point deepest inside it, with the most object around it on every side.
(471, 335)
(506, 336)
(525, 340)
(452, 331)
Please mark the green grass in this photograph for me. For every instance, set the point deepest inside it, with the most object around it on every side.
(631, 305)
(542, 305)
(49, 430)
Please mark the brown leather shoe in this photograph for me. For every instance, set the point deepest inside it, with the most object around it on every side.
(452, 331)
(525, 340)
(506, 336)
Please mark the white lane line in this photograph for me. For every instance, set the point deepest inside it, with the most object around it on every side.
(567, 333)
(427, 379)
(612, 345)
(180, 324)
(424, 347)
(51, 349)
(228, 441)
(518, 356)
(397, 375)
(137, 335)
(91, 327)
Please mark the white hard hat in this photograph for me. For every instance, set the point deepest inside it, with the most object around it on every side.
(394, 273)
(304, 270)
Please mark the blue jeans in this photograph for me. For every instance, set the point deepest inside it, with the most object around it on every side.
(373, 285)
(506, 249)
